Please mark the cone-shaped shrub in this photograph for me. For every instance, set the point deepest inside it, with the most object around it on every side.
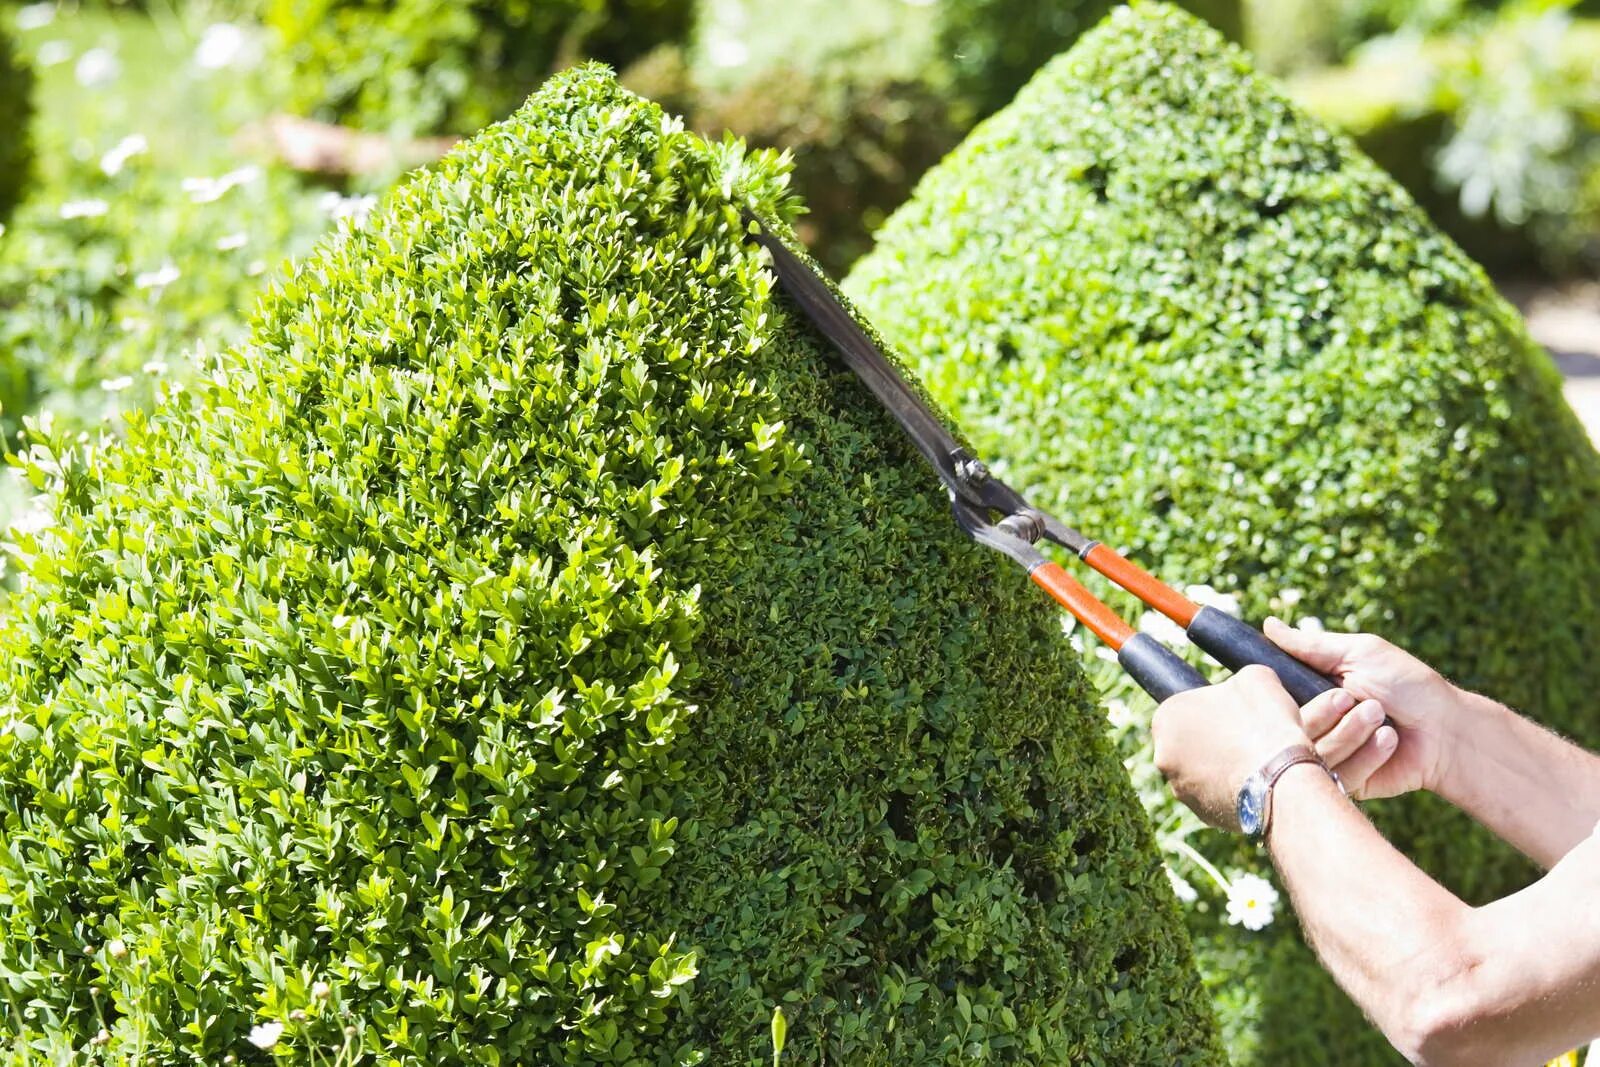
(1203, 327)
(534, 634)
(16, 144)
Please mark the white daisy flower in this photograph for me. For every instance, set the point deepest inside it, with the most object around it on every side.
(224, 45)
(97, 67)
(354, 208)
(132, 145)
(1252, 902)
(1163, 629)
(35, 16)
(83, 209)
(727, 52)
(157, 279)
(155, 366)
(1208, 597)
(231, 241)
(116, 385)
(265, 1035)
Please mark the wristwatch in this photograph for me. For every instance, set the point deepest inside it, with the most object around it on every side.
(1255, 796)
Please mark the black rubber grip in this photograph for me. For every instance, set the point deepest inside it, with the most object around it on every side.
(1159, 670)
(1234, 643)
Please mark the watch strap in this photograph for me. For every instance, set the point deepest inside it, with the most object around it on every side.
(1273, 769)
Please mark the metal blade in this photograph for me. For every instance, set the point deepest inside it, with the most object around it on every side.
(869, 363)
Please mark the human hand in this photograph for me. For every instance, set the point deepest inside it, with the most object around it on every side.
(1409, 753)
(1209, 740)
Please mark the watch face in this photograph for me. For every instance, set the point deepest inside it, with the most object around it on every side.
(1250, 798)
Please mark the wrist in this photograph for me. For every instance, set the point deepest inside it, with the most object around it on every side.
(1468, 717)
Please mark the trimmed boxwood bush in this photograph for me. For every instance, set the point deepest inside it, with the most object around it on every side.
(443, 66)
(869, 95)
(16, 151)
(532, 646)
(1210, 331)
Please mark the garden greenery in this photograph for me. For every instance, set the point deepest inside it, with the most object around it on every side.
(415, 67)
(1206, 329)
(16, 153)
(870, 94)
(533, 645)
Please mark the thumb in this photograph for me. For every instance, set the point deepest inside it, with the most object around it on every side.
(1327, 652)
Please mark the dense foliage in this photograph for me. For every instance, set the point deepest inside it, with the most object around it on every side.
(16, 145)
(445, 66)
(1211, 331)
(533, 646)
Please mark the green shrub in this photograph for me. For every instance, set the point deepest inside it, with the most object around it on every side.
(1209, 330)
(443, 66)
(533, 646)
(868, 95)
(16, 142)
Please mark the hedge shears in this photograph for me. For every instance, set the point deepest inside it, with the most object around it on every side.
(997, 516)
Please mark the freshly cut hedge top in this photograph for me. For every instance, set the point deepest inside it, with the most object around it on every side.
(16, 144)
(1207, 329)
(415, 67)
(536, 635)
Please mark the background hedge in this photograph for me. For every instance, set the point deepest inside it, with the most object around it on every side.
(1210, 331)
(414, 67)
(867, 95)
(532, 645)
(16, 143)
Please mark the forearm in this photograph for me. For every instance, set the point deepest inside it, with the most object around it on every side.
(1382, 928)
(1534, 790)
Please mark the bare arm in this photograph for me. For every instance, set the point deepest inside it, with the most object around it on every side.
(1515, 982)
(1536, 791)
(1511, 983)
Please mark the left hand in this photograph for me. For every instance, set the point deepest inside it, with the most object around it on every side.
(1208, 741)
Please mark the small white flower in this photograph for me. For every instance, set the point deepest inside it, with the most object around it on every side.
(229, 242)
(102, 1038)
(52, 54)
(1208, 597)
(1290, 597)
(117, 948)
(1118, 713)
(157, 279)
(84, 209)
(35, 16)
(1163, 629)
(321, 990)
(727, 52)
(132, 145)
(1180, 886)
(97, 67)
(155, 366)
(116, 385)
(1252, 902)
(256, 267)
(265, 1035)
(224, 45)
(1311, 624)
(354, 208)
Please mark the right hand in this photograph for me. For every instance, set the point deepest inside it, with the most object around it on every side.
(1419, 701)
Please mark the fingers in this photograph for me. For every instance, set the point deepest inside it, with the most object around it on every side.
(1324, 711)
(1324, 651)
(1350, 734)
(1367, 760)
